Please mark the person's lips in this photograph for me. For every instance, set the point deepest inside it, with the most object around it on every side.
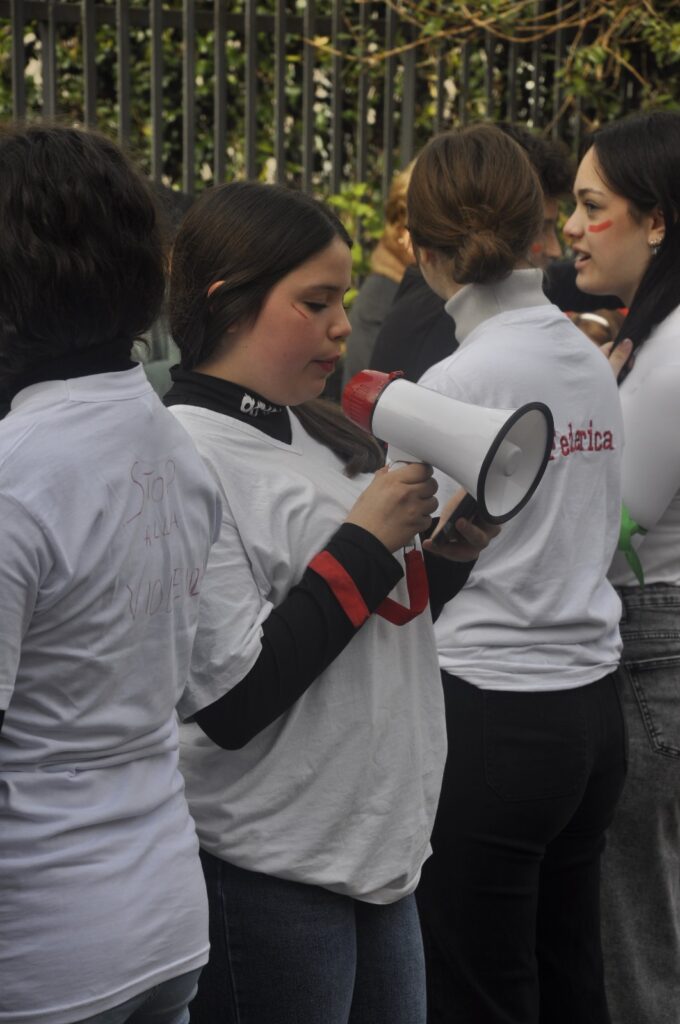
(581, 259)
(327, 365)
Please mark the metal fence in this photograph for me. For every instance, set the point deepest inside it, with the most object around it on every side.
(317, 93)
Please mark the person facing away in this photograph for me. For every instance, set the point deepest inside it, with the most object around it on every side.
(509, 900)
(106, 518)
(625, 232)
(417, 332)
(390, 258)
(314, 741)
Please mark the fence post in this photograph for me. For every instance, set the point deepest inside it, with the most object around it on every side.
(250, 16)
(189, 97)
(89, 64)
(49, 62)
(362, 100)
(280, 90)
(388, 100)
(219, 93)
(308, 95)
(123, 69)
(408, 107)
(336, 100)
(156, 32)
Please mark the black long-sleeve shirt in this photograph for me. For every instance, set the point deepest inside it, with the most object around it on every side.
(310, 627)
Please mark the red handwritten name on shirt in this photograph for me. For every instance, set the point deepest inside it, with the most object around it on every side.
(589, 439)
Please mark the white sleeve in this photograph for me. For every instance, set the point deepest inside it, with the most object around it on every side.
(231, 612)
(24, 558)
(651, 453)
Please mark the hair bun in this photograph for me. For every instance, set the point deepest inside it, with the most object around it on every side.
(482, 256)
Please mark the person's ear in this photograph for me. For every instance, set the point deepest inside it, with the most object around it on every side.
(426, 257)
(657, 226)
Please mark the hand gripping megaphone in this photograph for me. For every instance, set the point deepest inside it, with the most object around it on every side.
(498, 455)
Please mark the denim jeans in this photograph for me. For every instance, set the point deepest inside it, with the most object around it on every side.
(509, 900)
(287, 953)
(164, 1004)
(641, 864)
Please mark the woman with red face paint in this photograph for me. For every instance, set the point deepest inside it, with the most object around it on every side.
(509, 900)
(314, 755)
(625, 232)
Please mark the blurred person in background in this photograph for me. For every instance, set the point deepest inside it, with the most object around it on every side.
(390, 258)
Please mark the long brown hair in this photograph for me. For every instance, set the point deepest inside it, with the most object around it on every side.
(248, 236)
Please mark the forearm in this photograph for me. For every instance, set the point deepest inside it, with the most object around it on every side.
(304, 634)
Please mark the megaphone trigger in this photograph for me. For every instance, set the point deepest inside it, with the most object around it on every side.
(467, 508)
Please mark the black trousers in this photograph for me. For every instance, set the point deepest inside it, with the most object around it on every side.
(509, 900)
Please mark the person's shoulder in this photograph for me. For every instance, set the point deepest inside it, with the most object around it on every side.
(15, 433)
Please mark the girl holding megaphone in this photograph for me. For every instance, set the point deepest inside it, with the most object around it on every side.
(315, 748)
(510, 898)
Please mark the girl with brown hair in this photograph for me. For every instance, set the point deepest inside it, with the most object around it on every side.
(314, 754)
(509, 899)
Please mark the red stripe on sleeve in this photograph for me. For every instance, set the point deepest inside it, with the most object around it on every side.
(343, 586)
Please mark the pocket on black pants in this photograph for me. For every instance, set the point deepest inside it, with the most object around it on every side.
(535, 744)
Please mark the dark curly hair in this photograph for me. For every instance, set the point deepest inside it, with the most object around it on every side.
(81, 248)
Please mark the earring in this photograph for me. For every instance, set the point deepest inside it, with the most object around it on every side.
(655, 246)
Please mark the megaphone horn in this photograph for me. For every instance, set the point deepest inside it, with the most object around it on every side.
(498, 455)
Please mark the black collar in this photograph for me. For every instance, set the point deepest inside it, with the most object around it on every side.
(82, 363)
(207, 392)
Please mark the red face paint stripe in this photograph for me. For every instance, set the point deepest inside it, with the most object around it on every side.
(299, 312)
(596, 228)
(343, 586)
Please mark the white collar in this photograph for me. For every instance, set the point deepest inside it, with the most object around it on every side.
(475, 303)
(98, 387)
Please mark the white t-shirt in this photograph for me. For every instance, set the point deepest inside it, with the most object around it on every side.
(341, 790)
(650, 398)
(537, 612)
(106, 519)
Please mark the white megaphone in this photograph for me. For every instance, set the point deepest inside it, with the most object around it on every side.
(497, 455)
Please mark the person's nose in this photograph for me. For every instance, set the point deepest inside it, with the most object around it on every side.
(572, 229)
(341, 327)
